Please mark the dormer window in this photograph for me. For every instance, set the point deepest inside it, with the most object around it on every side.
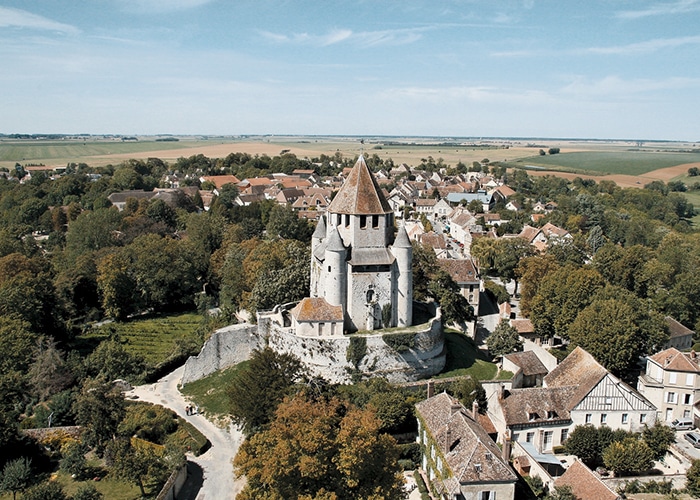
(532, 416)
(477, 467)
(551, 414)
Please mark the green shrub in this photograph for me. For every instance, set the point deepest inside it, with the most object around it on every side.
(406, 464)
(400, 342)
(357, 349)
(410, 451)
(558, 450)
(201, 441)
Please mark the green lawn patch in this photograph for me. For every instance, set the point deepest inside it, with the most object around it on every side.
(464, 358)
(112, 489)
(617, 162)
(209, 393)
(156, 338)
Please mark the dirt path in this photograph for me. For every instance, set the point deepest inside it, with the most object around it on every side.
(216, 464)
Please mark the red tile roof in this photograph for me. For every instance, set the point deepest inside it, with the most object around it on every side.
(360, 194)
(584, 483)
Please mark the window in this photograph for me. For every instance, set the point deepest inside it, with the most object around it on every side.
(551, 414)
(529, 437)
(689, 380)
(672, 378)
(589, 418)
(548, 438)
(625, 418)
(642, 418)
(671, 397)
(338, 220)
(347, 220)
(363, 221)
(603, 418)
(375, 221)
(487, 495)
(608, 400)
(564, 435)
(686, 413)
(687, 399)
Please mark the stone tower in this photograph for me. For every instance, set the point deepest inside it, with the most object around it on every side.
(355, 263)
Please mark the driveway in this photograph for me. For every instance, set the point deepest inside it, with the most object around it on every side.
(210, 474)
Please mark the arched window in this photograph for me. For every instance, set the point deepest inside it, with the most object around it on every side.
(370, 295)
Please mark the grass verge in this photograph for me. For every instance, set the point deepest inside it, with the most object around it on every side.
(464, 358)
(209, 393)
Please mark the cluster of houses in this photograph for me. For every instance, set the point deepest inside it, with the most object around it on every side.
(530, 415)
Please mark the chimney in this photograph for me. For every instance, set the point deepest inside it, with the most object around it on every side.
(431, 389)
(455, 408)
(448, 440)
(502, 392)
(475, 409)
(505, 451)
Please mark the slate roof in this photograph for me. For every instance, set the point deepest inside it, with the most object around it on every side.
(469, 452)
(585, 483)
(360, 194)
(316, 309)
(528, 362)
(674, 360)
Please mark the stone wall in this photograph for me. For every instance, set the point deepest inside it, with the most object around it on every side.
(327, 357)
(226, 347)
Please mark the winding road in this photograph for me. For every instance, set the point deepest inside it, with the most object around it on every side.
(215, 466)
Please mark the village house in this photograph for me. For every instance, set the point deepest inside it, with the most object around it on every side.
(486, 200)
(458, 456)
(671, 381)
(466, 275)
(585, 483)
(527, 369)
(680, 337)
(441, 209)
(425, 206)
(578, 391)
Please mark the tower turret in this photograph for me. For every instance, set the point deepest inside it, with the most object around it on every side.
(335, 285)
(403, 251)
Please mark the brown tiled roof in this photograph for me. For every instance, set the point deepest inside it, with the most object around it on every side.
(528, 362)
(469, 452)
(529, 233)
(360, 193)
(523, 325)
(584, 483)
(675, 360)
(433, 240)
(505, 191)
(426, 202)
(550, 229)
(676, 329)
(461, 270)
(220, 180)
(317, 309)
(580, 370)
(522, 406)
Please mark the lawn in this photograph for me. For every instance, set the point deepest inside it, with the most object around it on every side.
(612, 162)
(464, 358)
(210, 392)
(156, 338)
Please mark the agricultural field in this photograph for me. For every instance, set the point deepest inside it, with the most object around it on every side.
(613, 162)
(156, 338)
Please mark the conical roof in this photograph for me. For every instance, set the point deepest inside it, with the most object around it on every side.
(402, 240)
(360, 194)
(320, 231)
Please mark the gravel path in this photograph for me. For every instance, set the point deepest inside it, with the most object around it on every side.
(215, 466)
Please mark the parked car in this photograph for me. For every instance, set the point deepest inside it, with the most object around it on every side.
(693, 438)
(683, 424)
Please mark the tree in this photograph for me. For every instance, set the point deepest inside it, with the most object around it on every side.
(117, 286)
(504, 339)
(88, 491)
(583, 442)
(692, 476)
(49, 374)
(693, 172)
(136, 463)
(320, 449)
(632, 455)
(468, 390)
(99, 408)
(454, 306)
(616, 329)
(659, 438)
(51, 490)
(261, 386)
(73, 460)
(562, 493)
(288, 283)
(16, 476)
(110, 361)
(285, 223)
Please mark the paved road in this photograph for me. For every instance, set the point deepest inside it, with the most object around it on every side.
(211, 472)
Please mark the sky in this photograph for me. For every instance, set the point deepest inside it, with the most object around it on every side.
(597, 69)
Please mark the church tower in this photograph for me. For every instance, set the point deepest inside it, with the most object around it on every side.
(354, 264)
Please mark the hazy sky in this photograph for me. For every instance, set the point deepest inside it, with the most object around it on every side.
(556, 68)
